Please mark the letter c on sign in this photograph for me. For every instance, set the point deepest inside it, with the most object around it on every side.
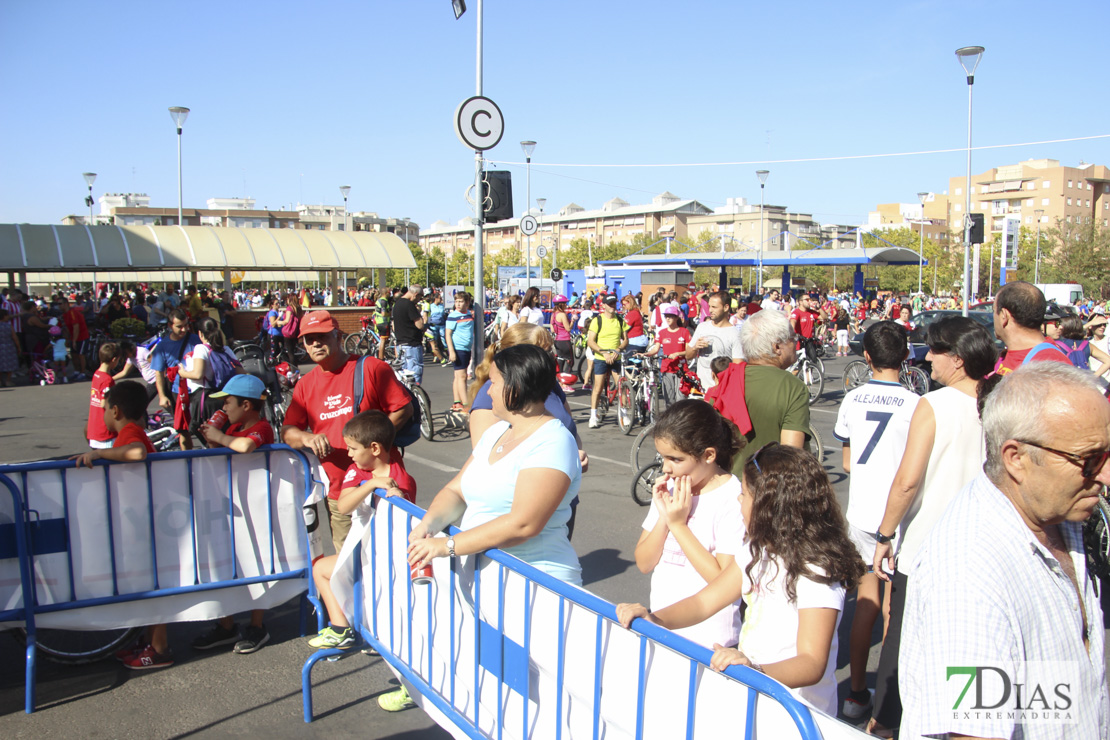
(474, 123)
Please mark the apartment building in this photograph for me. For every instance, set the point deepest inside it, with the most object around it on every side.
(1062, 194)
(931, 217)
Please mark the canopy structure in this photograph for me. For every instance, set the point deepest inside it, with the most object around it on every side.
(203, 276)
(48, 248)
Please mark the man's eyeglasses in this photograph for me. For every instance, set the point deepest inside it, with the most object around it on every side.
(1090, 463)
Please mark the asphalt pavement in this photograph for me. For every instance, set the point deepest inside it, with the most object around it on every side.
(220, 694)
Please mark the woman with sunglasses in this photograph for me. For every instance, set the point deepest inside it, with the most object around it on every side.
(793, 577)
(944, 452)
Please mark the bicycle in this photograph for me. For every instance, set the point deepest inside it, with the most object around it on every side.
(809, 373)
(427, 424)
(160, 432)
(78, 647)
(645, 400)
(363, 342)
(643, 481)
(617, 391)
(910, 377)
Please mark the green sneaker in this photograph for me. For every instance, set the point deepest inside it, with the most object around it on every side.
(396, 701)
(329, 638)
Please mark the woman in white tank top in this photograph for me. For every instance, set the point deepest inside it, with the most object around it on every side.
(944, 452)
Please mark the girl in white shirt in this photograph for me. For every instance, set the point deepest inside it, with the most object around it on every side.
(793, 578)
(695, 526)
(530, 310)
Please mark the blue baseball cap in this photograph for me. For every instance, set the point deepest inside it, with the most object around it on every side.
(244, 386)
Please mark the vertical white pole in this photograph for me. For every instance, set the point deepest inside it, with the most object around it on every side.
(479, 291)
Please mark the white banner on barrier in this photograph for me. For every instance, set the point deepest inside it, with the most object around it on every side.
(519, 665)
(118, 525)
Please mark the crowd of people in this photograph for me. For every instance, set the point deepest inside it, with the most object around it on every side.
(963, 528)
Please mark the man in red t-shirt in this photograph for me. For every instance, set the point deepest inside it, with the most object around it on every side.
(323, 402)
(1019, 311)
(77, 331)
(804, 317)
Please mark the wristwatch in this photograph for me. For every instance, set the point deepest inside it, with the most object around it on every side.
(450, 547)
(882, 539)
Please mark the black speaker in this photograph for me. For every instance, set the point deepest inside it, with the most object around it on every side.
(976, 234)
(497, 195)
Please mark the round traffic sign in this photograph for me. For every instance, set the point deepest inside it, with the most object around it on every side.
(528, 225)
(479, 123)
(541, 250)
(556, 274)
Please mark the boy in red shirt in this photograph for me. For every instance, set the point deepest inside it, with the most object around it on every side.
(369, 440)
(96, 432)
(672, 341)
(243, 397)
(124, 409)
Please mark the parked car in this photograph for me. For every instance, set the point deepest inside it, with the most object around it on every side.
(920, 325)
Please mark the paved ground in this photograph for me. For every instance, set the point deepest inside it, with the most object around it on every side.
(222, 694)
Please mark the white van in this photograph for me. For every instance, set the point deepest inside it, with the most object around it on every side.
(1065, 294)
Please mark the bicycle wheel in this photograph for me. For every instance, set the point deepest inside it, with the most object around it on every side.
(603, 404)
(644, 482)
(856, 373)
(427, 423)
(626, 405)
(355, 344)
(643, 449)
(392, 355)
(579, 349)
(1096, 540)
(814, 379)
(76, 647)
(164, 439)
(815, 445)
(914, 379)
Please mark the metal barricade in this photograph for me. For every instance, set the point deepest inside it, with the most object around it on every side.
(496, 648)
(148, 534)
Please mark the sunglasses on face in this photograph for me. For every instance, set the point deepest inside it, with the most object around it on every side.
(1089, 464)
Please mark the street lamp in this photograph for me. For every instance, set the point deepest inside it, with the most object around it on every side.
(90, 178)
(921, 241)
(345, 190)
(762, 175)
(1037, 268)
(528, 147)
(179, 114)
(969, 57)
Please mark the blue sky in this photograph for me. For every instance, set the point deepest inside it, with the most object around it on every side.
(291, 100)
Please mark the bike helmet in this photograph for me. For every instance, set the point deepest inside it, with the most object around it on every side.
(560, 298)
(55, 331)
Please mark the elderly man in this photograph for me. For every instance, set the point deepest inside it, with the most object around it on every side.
(1018, 314)
(1001, 596)
(408, 331)
(775, 402)
(323, 402)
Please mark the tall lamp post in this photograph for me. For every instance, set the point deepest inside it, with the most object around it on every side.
(345, 190)
(969, 57)
(1037, 265)
(540, 203)
(179, 114)
(762, 175)
(90, 178)
(921, 240)
(528, 147)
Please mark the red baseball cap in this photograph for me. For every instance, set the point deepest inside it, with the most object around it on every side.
(317, 322)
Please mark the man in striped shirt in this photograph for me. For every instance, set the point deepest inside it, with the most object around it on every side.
(1003, 633)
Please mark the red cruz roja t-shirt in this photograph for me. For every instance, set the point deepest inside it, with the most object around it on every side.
(356, 476)
(323, 403)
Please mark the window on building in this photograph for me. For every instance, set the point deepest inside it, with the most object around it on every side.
(959, 191)
(1030, 185)
(973, 190)
(1046, 184)
(1088, 202)
(1069, 183)
(1069, 201)
(957, 207)
(1044, 201)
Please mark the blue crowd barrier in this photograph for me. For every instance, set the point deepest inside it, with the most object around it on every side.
(163, 532)
(402, 623)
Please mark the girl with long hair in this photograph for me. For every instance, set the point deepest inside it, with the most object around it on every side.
(798, 565)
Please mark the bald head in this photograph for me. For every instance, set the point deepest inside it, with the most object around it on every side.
(1024, 301)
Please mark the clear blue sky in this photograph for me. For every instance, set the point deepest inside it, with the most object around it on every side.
(291, 100)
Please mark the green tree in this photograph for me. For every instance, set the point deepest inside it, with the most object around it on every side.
(1078, 252)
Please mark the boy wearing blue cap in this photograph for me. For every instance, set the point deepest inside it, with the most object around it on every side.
(243, 397)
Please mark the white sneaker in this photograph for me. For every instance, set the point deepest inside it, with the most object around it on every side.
(853, 710)
(594, 423)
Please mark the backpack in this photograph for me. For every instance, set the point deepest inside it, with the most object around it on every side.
(1078, 355)
(223, 367)
(290, 329)
(407, 434)
(595, 321)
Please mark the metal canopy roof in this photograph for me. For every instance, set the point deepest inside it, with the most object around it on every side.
(876, 256)
(50, 248)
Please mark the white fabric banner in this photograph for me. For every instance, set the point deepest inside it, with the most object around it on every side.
(526, 654)
(117, 521)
